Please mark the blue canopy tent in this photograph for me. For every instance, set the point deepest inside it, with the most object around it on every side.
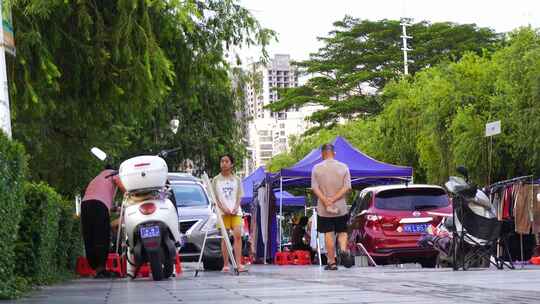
(249, 183)
(290, 200)
(364, 170)
(263, 215)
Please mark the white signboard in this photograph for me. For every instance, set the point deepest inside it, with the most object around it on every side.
(493, 128)
(5, 31)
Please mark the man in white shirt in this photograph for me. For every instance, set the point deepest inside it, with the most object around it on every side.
(228, 189)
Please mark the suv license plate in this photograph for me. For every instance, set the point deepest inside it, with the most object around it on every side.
(415, 228)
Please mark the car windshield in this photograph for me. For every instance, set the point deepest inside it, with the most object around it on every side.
(189, 195)
(412, 199)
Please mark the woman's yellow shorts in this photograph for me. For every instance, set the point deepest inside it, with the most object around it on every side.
(231, 221)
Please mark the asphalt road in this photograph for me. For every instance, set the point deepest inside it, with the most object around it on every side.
(307, 284)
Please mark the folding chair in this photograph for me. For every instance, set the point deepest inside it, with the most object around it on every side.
(479, 240)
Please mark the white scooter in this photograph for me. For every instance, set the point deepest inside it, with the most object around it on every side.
(149, 220)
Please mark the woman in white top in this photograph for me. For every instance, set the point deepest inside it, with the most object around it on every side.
(228, 189)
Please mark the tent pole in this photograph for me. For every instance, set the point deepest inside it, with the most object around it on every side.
(281, 214)
(267, 200)
(315, 219)
(305, 203)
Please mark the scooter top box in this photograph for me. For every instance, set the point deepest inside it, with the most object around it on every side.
(143, 172)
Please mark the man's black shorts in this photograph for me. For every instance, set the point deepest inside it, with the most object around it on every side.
(332, 224)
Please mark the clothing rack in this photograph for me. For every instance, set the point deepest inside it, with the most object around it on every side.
(510, 181)
(503, 183)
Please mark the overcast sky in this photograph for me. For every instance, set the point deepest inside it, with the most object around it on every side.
(298, 23)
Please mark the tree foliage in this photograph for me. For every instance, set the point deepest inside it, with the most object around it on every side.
(360, 56)
(435, 120)
(114, 73)
(13, 170)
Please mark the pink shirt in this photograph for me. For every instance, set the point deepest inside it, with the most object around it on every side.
(102, 188)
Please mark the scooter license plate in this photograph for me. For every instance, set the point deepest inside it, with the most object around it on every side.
(149, 232)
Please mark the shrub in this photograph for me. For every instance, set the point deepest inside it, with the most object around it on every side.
(13, 163)
(38, 234)
(69, 239)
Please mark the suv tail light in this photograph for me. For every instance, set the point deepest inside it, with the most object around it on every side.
(372, 221)
(373, 218)
(147, 208)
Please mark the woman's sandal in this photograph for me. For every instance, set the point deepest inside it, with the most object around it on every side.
(225, 269)
(332, 266)
(242, 269)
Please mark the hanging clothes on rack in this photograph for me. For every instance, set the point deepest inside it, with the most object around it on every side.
(497, 204)
(507, 202)
(527, 210)
(520, 211)
(535, 207)
(522, 218)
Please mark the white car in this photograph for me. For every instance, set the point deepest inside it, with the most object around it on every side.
(195, 217)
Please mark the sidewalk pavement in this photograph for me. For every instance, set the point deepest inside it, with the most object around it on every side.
(307, 284)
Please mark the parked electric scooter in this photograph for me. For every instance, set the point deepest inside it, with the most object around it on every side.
(149, 220)
(448, 238)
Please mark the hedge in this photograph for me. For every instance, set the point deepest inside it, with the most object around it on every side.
(13, 166)
(69, 239)
(40, 237)
(49, 236)
(38, 234)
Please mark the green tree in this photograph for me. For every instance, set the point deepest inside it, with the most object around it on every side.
(84, 73)
(114, 73)
(515, 101)
(435, 120)
(207, 94)
(360, 56)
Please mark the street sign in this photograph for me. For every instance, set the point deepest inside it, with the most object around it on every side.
(493, 128)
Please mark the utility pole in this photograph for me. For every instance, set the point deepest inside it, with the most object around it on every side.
(6, 41)
(404, 24)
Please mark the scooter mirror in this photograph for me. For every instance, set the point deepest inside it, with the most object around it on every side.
(99, 153)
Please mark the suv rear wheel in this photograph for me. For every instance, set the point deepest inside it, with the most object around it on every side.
(429, 263)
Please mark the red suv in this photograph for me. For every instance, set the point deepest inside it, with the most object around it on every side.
(389, 221)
